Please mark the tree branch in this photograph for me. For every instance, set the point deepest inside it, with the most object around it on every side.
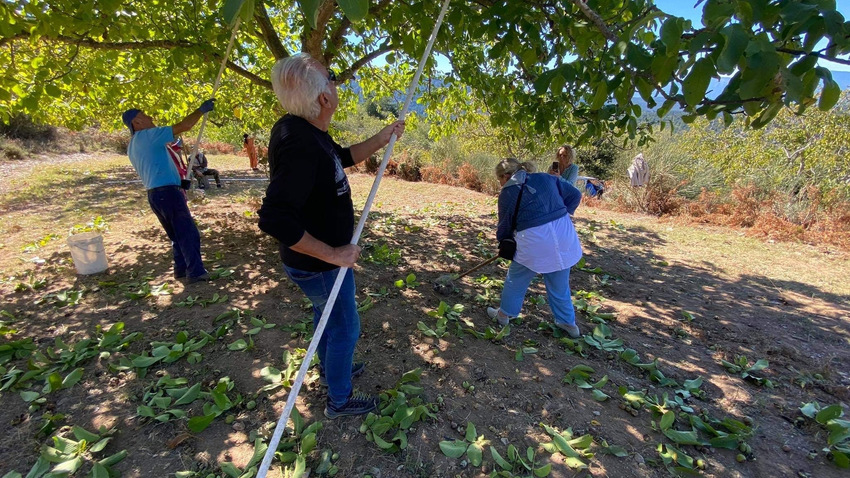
(150, 44)
(19, 36)
(338, 34)
(819, 55)
(596, 19)
(255, 79)
(270, 35)
(349, 72)
(125, 45)
(311, 40)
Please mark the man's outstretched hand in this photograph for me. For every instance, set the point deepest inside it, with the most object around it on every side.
(207, 106)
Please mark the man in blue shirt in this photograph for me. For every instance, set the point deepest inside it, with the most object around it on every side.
(148, 154)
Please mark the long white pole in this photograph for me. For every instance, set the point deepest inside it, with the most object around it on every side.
(215, 88)
(320, 328)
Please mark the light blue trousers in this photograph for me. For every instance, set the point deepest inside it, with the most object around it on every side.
(557, 292)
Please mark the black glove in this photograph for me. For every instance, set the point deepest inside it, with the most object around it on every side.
(507, 249)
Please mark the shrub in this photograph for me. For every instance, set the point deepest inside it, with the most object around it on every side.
(468, 177)
(216, 147)
(746, 205)
(659, 197)
(409, 171)
(21, 126)
(437, 173)
(392, 168)
(372, 164)
(11, 150)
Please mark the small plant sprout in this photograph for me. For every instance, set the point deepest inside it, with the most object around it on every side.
(472, 446)
(514, 464)
(190, 301)
(382, 254)
(601, 339)
(409, 282)
(580, 377)
(67, 455)
(838, 439)
(575, 450)
(742, 367)
(401, 407)
(529, 347)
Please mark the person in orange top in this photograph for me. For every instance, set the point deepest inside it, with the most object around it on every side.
(248, 141)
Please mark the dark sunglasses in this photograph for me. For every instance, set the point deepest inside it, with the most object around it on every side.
(331, 75)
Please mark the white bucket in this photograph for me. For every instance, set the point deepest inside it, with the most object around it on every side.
(88, 252)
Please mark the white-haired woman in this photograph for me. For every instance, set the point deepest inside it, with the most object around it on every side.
(308, 209)
(534, 211)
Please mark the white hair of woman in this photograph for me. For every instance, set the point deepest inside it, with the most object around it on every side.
(297, 82)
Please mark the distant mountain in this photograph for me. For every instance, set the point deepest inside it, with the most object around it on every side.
(841, 77)
(715, 88)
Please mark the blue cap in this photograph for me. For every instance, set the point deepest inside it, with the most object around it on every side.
(128, 117)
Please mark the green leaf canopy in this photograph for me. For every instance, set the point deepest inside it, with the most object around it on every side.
(567, 68)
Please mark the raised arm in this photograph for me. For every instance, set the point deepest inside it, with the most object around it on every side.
(189, 121)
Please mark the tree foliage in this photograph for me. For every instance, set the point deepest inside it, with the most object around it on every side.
(566, 67)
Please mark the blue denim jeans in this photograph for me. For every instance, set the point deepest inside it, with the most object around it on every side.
(557, 291)
(336, 348)
(169, 205)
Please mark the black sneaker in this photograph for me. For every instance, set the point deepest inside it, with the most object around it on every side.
(201, 278)
(357, 370)
(358, 403)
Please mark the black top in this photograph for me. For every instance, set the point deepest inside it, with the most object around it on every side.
(308, 192)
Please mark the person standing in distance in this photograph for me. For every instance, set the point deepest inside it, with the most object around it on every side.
(308, 209)
(251, 151)
(149, 157)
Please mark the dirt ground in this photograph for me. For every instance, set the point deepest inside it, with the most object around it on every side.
(682, 295)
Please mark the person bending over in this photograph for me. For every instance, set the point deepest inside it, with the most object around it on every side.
(534, 210)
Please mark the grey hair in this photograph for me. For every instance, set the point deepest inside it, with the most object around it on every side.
(297, 82)
(509, 166)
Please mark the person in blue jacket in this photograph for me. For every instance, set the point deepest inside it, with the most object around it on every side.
(546, 240)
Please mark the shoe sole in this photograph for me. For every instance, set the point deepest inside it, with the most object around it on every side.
(335, 415)
(569, 332)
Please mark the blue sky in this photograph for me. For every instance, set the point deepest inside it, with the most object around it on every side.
(686, 9)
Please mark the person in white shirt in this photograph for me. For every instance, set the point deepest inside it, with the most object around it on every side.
(539, 221)
(639, 172)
